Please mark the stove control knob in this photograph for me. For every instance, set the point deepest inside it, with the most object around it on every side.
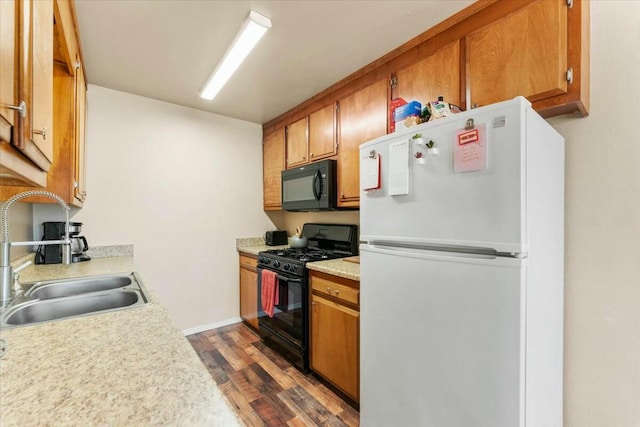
(286, 266)
(276, 263)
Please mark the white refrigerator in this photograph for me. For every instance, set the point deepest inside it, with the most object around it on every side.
(461, 272)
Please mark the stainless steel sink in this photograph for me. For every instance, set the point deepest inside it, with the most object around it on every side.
(66, 288)
(60, 308)
(62, 299)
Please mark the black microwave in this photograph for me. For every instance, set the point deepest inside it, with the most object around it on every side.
(310, 188)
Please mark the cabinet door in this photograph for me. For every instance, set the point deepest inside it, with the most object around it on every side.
(8, 62)
(273, 164)
(437, 75)
(525, 53)
(322, 133)
(362, 116)
(79, 189)
(297, 143)
(249, 296)
(35, 139)
(334, 344)
(15, 169)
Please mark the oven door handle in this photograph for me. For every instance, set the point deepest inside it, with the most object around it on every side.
(286, 279)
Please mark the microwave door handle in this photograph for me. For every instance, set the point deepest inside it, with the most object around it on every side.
(317, 185)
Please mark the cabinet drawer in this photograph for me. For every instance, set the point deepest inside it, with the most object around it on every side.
(248, 262)
(341, 292)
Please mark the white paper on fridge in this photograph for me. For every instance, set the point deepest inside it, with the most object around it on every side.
(370, 172)
(399, 168)
(470, 149)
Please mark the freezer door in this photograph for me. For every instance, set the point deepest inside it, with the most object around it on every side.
(482, 208)
(442, 340)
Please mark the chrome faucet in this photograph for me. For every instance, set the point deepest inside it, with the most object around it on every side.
(6, 272)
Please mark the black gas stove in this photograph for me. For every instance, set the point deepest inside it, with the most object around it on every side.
(288, 329)
(292, 260)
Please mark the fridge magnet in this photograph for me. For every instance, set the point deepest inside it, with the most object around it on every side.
(432, 150)
(470, 149)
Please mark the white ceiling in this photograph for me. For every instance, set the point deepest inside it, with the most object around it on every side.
(166, 49)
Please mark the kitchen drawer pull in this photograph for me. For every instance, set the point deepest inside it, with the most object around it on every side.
(333, 291)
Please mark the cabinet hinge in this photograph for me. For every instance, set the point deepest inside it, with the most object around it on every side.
(569, 4)
(570, 75)
(393, 82)
(77, 65)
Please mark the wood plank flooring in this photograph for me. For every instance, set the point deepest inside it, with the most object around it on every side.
(264, 388)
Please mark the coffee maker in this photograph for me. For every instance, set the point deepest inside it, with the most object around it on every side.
(52, 254)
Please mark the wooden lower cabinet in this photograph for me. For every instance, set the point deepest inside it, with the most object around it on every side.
(249, 289)
(335, 331)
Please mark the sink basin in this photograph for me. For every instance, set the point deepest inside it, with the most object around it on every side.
(67, 298)
(66, 288)
(60, 308)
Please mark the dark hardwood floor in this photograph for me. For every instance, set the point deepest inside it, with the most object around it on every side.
(264, 388)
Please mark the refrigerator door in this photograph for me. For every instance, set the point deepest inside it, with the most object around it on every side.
(483, 208)
(442, 339)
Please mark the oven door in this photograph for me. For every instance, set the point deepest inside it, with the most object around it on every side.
(290, 314)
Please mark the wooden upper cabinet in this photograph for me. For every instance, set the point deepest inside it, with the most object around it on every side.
(362, 117)
(312, 138)
(65, 175)
(297, 143)
(524, 53)
(434, 76)
(273, 165)
(36, 87)
(322, 133)
(15, 167)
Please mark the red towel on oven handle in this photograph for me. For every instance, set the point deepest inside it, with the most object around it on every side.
(269, 291)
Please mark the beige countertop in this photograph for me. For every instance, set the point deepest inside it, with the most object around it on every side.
(127, 367)
(336, 267)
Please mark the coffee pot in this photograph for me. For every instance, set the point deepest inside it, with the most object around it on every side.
(78, 247)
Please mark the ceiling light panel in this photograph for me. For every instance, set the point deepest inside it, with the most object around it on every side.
(250, 34)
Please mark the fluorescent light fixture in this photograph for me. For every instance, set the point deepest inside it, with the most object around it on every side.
(251, 32)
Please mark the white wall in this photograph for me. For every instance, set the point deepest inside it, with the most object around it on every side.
(20, 220)
(180, 185)
(602, 230)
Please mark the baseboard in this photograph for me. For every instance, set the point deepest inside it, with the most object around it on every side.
(210, 326)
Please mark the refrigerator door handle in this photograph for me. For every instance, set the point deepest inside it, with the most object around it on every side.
(425, 252)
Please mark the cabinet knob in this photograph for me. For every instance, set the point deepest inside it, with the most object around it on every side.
(304, 158)
(342, 195)
(42, 132)
(311, 154)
